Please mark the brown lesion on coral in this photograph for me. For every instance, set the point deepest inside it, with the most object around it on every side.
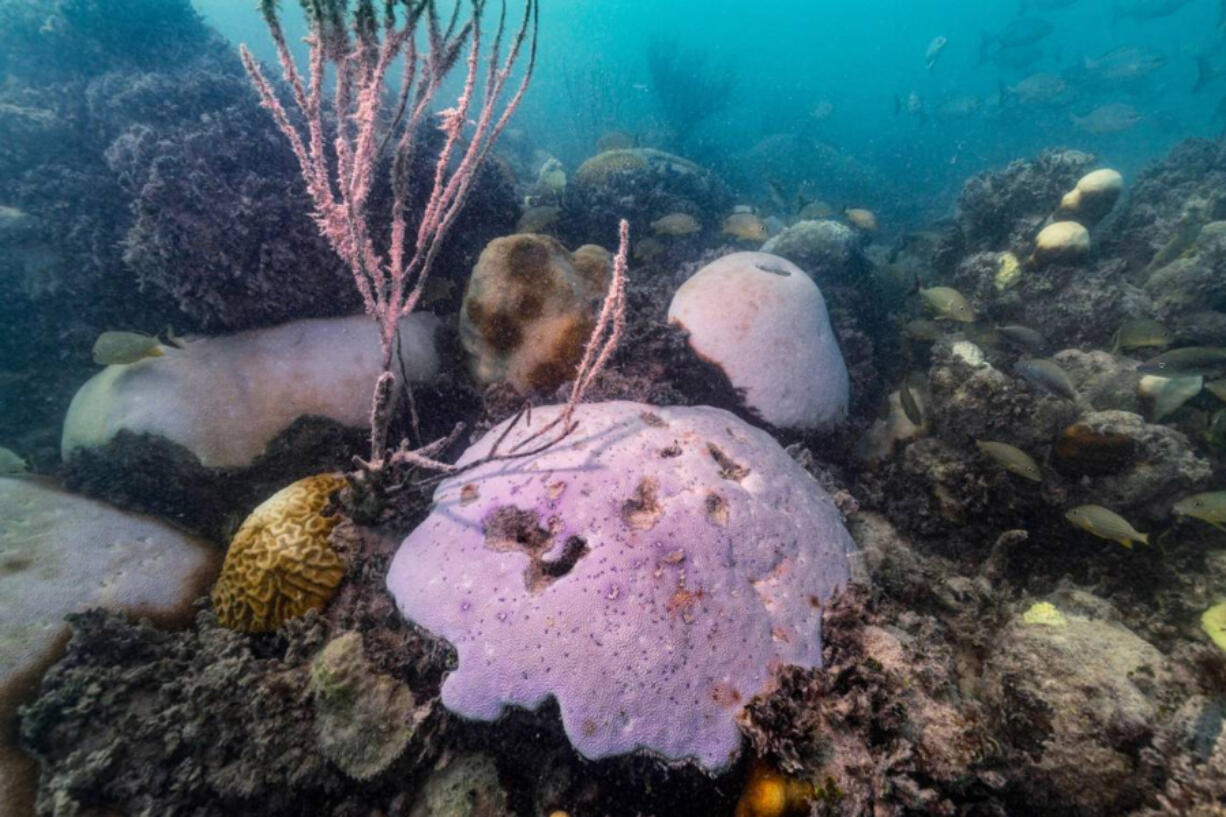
(540, 573)
(650, 418)
(469, 493)
(717, 509)
(501, 331)
(671, 451)
(559, 365)
(642, 510)
(508, 528)
(528, 259)
(728, 467)
(682, 602)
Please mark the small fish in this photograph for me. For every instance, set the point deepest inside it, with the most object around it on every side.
(1140, 333)
(913, 105)
(745, 227)
(910, 395)
(1208, 507)
(959, 107)
(934, 51)
(1046, 375)
(1207, 72)
(861, 219)
(1125, 64)
(1169, 393)
(11, 462)
(921, 329)
(1036, 89)
(815, 210)
(676, 224)
(1022, 336)
(125, 347)
(1114, 117)
(1105, 524)
(1021, 31)
(1012, 459)
(1183, 238)
(1145, 9)
(1185, 362)
(948, 303)
(647, 248)
(822, 110)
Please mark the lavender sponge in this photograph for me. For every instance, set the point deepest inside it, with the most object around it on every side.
(651, 573)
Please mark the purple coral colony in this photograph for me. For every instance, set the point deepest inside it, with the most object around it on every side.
(378, 440)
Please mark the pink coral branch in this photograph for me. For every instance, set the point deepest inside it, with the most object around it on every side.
(391, 277)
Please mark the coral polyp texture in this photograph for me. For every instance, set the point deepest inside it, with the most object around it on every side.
(651, 572)
(280, 563)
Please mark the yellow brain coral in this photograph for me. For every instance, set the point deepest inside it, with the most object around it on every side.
(280, 563)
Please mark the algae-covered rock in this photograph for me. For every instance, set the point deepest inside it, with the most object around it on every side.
(467, 786)
(364, 720)
(1078, 704)
(827, 250)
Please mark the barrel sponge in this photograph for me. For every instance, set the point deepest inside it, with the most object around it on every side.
(529, 308)
(225, 398)
(650, 572)
(763, 321)
(280, 563)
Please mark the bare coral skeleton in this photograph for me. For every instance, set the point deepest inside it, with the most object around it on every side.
(361, 46)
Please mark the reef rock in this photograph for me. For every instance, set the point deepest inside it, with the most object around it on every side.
(764, 323)
(363, 719)
(1004, 210)
(830, 251)
(465, 786)
(640, 185)
(650, 572)
(1079, 702)
(225, 398)
(1164, 466)
(528, 310)
(61, 554)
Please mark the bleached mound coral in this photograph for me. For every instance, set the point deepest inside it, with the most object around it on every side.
(651, 572)
(225, 398)
(62, 554)
(763, 321)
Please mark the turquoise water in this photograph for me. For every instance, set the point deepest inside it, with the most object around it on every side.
(790, 56)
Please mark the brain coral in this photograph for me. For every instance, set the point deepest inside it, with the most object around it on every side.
(280, 563)
(651, 573)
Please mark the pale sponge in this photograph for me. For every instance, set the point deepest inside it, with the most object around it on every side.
(60, 554)
(651, 572)
(763, 321)
(225, 398)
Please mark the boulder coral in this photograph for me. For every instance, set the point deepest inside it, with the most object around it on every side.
(763, 321)
(62, 554)
(225, 398)
(280, 563)
(651, 573)
(529, 309)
